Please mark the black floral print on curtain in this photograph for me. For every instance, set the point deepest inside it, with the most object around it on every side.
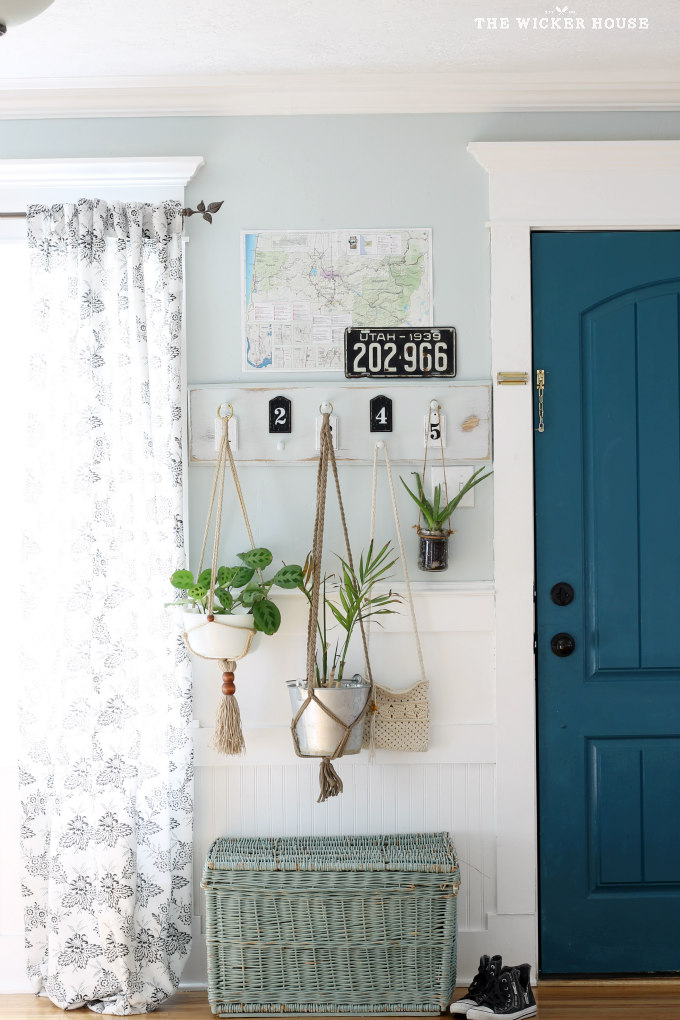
(106, 766)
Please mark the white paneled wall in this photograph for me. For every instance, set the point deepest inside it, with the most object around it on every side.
(266, 800)
(451, 787)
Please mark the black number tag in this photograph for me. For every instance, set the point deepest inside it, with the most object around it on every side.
(280, 415)
(381, 414)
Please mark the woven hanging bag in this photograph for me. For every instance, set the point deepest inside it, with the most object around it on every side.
(399, 720)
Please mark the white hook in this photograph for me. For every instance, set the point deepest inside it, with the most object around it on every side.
(434, 405)
(326, 407)
(380, 444)
(281, 445)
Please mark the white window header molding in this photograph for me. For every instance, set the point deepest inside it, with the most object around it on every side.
(576, 157)
(134, 179)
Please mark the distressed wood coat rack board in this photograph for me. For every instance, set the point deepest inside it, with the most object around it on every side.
(465, 409)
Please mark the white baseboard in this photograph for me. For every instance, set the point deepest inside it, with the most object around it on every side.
(512, 936)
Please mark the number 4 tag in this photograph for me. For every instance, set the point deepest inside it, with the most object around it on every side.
(381, 413)
(437, 434)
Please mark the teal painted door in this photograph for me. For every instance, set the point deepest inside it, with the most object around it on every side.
(606, 318)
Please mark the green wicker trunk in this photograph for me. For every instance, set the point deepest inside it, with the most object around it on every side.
(338, 925)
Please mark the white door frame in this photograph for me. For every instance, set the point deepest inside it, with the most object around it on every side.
(540, 186)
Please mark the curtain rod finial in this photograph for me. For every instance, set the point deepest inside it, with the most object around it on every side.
(207, 211)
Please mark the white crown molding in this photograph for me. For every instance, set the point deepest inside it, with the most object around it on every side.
(148, 171)
(141, 178)
(335, 93)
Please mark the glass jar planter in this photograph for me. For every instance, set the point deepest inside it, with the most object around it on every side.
(433, 551)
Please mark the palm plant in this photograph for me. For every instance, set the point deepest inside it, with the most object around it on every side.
(437, 515)
(351, 602)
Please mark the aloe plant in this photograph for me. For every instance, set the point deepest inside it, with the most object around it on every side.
(238, 588)
(348, 597)
(437, 515)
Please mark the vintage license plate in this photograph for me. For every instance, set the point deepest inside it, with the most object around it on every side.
(400, 353)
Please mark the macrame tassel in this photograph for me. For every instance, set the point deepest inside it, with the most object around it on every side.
(228, 733)
(330, 783)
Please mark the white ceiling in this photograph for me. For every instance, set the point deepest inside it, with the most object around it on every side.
(392, 49)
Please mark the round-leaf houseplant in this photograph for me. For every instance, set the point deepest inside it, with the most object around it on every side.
(346, 602)
(433, 553)
(241, 604)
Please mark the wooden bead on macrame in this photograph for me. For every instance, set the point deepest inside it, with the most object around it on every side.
(228, 685)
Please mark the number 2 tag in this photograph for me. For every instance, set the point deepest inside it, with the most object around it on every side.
(280, 415)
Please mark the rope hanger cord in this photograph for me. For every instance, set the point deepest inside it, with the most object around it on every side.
(402, 552)
(441, 446)
(329, 780)
(385, 711)
(228, 731)
(224, 453)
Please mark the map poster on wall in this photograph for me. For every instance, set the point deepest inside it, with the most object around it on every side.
(303, 288)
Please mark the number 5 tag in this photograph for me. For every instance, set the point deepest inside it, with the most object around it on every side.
(437, 433)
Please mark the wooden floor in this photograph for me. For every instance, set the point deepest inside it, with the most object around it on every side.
(646, 999)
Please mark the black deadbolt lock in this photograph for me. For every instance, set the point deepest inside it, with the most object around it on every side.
(562, 645)
(562, 593)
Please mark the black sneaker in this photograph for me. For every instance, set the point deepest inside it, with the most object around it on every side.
(489, 969)
(510, 995)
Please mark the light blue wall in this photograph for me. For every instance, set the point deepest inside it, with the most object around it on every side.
(330, 171)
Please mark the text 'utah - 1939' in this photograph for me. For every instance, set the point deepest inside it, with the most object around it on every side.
(400, 353)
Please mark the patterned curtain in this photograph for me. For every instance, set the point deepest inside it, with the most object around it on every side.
(106, 766)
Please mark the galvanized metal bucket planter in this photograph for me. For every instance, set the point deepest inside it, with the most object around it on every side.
(224, 637)
(317, 733)
(433, 551)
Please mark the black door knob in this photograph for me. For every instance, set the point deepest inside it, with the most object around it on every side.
(562, 645)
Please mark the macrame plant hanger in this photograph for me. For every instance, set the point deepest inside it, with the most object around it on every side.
(441, 448)
(381, 445)
(330, 783)
(228, 737)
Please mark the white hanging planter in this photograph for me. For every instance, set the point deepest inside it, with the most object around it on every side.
(224, 637)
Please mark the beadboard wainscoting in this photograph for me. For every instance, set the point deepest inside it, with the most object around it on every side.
(451, 787)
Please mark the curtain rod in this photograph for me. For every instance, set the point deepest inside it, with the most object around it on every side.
(206, 211)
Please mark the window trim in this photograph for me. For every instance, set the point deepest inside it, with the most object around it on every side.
(126, 179)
